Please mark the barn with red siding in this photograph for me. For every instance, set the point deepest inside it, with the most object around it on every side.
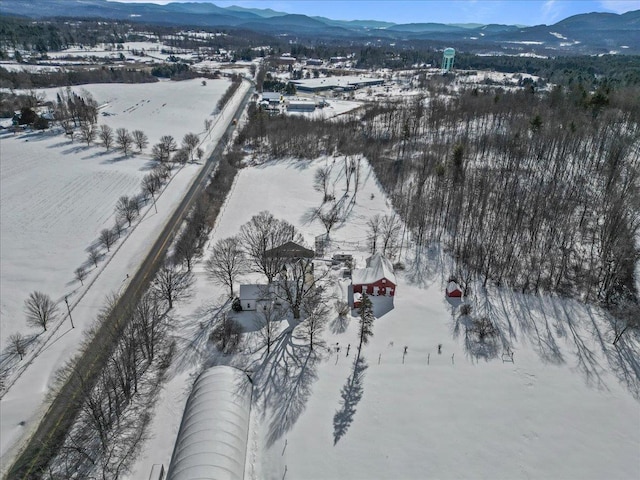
(376, 279)
(453, 290)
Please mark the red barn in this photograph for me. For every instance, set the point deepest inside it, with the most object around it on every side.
(453, 290)
(377, 279)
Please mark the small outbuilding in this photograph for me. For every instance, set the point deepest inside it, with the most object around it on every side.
(453, 290)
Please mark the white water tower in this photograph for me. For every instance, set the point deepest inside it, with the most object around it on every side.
(447, 59)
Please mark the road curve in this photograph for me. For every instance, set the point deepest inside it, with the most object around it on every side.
(62, 412)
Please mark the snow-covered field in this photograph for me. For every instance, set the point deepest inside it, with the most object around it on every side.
(565, 408)
(56, 196)
(162, 108)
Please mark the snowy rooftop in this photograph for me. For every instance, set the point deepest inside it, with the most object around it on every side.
(378, 267)
(452, 287)
(333, 82)
(212, 442)
(252, 291)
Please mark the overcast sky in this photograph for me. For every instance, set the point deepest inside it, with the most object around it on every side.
(521, 12)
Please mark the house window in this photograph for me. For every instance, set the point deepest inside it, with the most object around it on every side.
(384, 280)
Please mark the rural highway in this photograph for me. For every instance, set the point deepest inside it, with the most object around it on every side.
(62, 412)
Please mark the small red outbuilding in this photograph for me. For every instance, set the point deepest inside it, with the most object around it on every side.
(453, 290)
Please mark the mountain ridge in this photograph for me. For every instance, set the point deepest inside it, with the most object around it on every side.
(589, 33)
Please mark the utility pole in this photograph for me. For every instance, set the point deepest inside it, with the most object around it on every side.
(66, 300)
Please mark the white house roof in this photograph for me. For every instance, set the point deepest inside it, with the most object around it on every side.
(212, 441)
(378, 267)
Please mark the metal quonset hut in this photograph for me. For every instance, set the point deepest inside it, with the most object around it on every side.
(212, 441)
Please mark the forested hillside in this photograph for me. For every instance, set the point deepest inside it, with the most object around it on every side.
(536, 191)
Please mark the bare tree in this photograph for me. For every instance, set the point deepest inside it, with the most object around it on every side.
(81, 274)
(172, 284)
(321, 180)
(168, 143)
(262, 233)
(329, 215)
(297, 282)
(149, 324)
(40, 310)
(207, 124)
(160, 153)
(107, 238)
(389, 231)
(374, 226)
(17, 344)
(267, 321)
(181, 156)
(186, 246)
(118, 227)
(87, 132)
(124, 140)
(106, 136)
(127, 209)
(189, 143)
(316, 314)
(625, 317)
(226, 263)
(94, 255)
(140, 139)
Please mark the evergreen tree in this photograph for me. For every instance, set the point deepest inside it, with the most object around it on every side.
(365, 330)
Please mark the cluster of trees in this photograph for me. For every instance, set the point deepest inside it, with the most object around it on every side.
(40, 311)
(114, 407)
(236, 80)
(563, 215)
(47, 79)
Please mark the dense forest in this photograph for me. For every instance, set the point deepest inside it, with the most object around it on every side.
(536, 191)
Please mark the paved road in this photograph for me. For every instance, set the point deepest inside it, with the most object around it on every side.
(59, 418)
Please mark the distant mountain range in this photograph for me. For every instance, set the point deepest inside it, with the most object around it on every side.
(591, 33)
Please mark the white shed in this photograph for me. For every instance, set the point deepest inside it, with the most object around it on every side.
(212, 441)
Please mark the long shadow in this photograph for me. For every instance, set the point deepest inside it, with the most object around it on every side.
(586, 331)
(192, 336)
(350, 395)
(424, 265)
(283, 383)
(339, 324)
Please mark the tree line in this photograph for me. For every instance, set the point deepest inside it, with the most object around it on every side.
(534, 190)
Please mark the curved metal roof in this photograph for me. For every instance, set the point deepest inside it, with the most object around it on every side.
(212, 441)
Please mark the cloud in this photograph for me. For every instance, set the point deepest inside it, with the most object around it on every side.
(620, 6)
(551, 11)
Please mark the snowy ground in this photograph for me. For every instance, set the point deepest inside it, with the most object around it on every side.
(56, 196)
(565, 407)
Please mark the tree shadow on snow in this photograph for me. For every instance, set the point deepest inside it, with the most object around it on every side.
(425, 265)
(283, 383)
(192, 336)
(561, 331)
(350, 396)
(339, 324)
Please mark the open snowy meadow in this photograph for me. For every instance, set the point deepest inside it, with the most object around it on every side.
(425, 403)
(56, 196)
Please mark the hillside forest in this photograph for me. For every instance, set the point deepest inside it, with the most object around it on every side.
(537, 191)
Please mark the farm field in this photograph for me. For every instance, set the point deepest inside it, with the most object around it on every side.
(56, 197)
(566, 407)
